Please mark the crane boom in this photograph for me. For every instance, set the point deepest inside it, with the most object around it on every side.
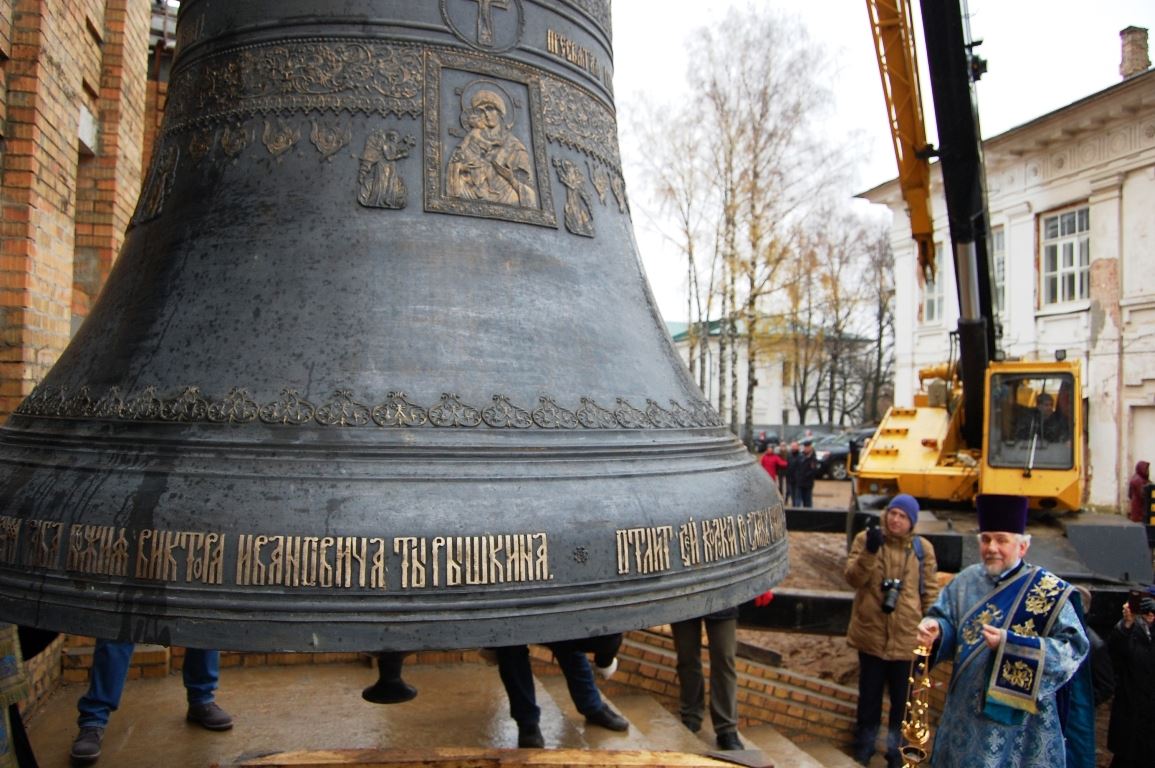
(890, 21)
(974, 426)
(953, 69)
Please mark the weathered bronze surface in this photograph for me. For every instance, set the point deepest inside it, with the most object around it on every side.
(378, 367)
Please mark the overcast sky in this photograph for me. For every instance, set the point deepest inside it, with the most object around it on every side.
(1041, 54)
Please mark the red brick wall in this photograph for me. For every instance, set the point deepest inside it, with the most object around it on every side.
(56, 206)
(157, 97)
(109, 182)
(5, 54)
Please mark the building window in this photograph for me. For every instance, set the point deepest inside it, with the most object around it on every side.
(1066, 273)
(999, 268)
(932, 292)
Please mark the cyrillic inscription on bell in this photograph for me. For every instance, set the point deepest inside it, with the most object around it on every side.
(377, 367)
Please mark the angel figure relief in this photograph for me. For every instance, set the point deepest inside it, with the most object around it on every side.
(379, 185)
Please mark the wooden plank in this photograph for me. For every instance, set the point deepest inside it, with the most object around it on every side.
(453, 757)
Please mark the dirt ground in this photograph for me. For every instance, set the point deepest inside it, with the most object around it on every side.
(816, 562)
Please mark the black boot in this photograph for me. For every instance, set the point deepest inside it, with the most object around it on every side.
(389, 688)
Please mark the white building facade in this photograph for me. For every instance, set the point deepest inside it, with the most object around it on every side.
(1071, 197)
(773, 399)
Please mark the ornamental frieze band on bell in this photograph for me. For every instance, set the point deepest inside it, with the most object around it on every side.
(377, 367)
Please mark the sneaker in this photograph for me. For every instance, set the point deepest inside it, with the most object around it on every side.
(607, 718)
(209, 716)
(608, 670)
(86, 745)
(729, 741)
(529, 736)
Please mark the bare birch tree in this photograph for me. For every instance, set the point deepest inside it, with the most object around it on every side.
(741, 172)
(675, 171)
(760, 77)
(879, 279)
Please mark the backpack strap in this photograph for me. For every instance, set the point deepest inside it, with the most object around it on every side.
(918, 552)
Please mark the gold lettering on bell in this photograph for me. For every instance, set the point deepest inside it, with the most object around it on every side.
(563, 47)
(98, 549)
(9, 536)
(180, 556)
(329, 562)
(43, 544)
(472, 561)
(719, 538)
(689, 543)
(644, 550)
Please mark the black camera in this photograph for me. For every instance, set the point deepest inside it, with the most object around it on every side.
(890, 590)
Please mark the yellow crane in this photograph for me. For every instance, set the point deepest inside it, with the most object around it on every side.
(979, 424)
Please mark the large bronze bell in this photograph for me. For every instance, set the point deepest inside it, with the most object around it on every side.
(378, 367)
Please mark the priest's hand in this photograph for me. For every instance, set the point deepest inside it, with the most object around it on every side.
(928, 632)
(993, 636)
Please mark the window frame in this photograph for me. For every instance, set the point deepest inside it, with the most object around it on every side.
(999, 269)
(933, 295)
(1065, 256)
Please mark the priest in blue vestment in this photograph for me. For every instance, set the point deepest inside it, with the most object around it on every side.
(1015, 640)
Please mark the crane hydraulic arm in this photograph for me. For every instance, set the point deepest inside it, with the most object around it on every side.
(952, 69)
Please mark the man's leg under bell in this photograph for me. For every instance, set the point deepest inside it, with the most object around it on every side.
(110, 661)
(723, 639)
(579, 679)
(201, 674)
(691, 686)
(517, 677)
(106, 680)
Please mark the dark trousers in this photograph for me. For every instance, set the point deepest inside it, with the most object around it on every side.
(722, 636)
(803, 496)
(875, 674)
(516, 673)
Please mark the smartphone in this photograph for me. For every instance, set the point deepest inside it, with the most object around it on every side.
(1133, 599)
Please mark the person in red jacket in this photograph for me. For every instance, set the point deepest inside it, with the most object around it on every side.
(772, 461)
(1135, 492)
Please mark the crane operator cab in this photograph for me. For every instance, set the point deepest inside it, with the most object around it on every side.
(1033, 428)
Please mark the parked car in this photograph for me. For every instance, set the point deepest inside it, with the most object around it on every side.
(811, 432)
(832, 452)
(765, 437)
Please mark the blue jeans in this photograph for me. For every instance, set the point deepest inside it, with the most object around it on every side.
(517, 676)
(109, 672)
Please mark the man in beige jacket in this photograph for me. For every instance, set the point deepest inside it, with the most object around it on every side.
(893, 572)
